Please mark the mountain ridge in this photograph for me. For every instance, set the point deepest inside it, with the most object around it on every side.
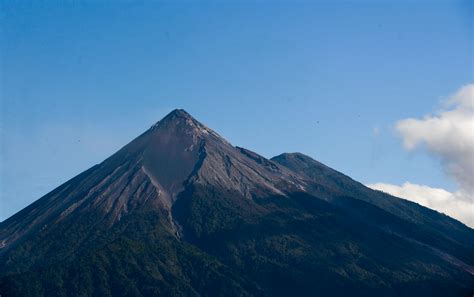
(182, 197)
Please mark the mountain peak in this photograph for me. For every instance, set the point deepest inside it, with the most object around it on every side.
(182, 124)
(183, 200)
(175, 116)
(179, 113)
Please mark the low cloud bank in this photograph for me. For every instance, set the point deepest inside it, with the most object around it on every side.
(457, 205)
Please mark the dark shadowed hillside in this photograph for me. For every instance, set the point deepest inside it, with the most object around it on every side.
(181, 212)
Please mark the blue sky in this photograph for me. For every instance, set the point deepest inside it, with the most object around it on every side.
(328, 79)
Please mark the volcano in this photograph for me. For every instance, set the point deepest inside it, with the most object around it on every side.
(179, 211)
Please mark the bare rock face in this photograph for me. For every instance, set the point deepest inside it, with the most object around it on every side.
(179, 211)
(149, 172)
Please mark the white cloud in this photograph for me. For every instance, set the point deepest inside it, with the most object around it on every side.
(457, 205)
(449, 137)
